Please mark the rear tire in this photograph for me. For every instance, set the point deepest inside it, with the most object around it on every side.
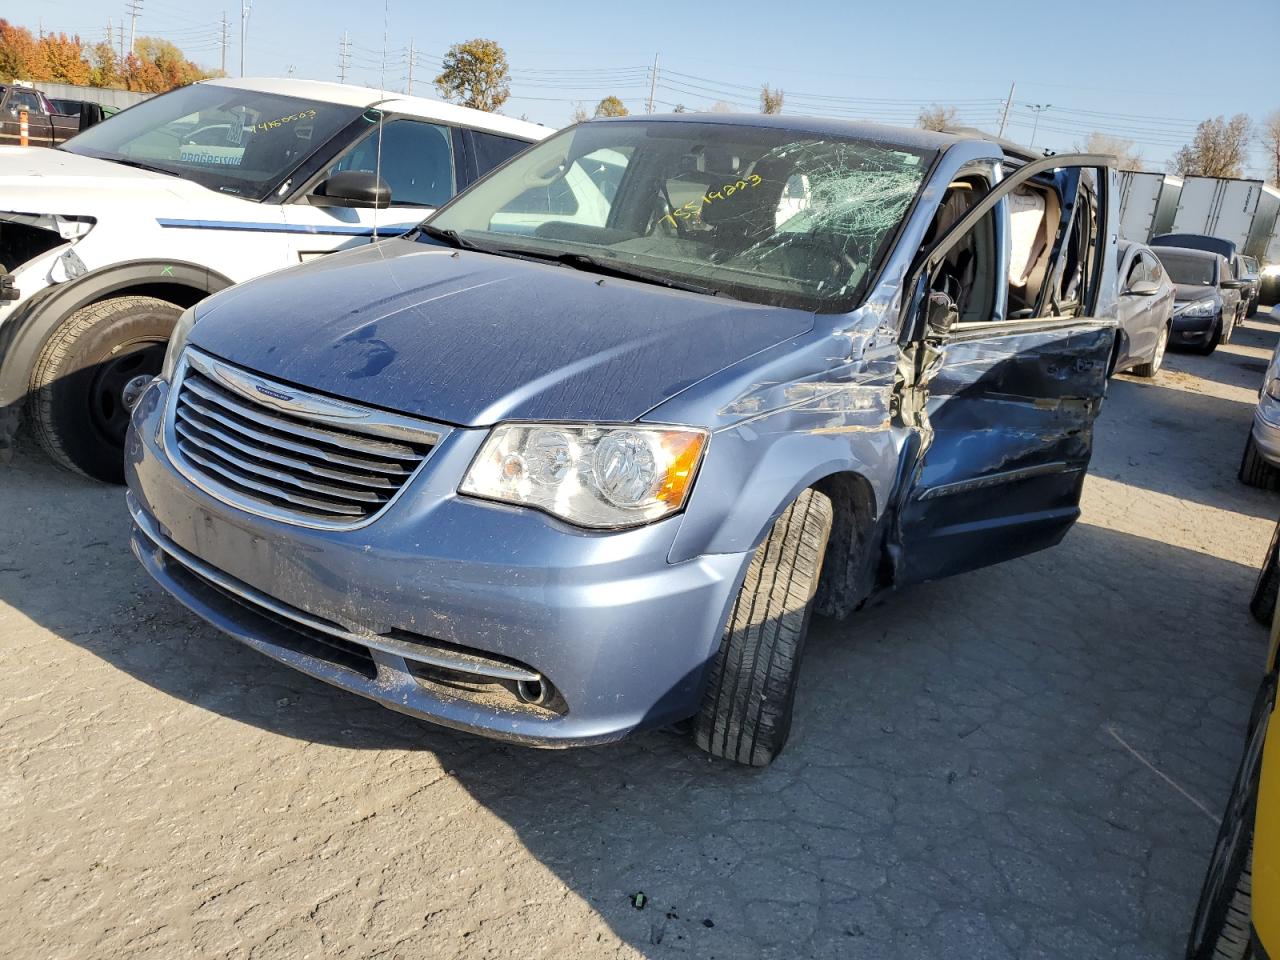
(747, 707)
(1152, 367)
(96, 360)
(1257, 471)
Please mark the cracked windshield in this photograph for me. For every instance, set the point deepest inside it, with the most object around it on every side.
(755, 213)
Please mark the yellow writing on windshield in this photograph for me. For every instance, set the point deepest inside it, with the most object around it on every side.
(688, 210)
(264, 125)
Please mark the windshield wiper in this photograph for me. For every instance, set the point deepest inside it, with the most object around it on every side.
(451, 237)
(589, 264)
(140, 165)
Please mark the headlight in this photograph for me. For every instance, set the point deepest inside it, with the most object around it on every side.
(590, 475)
(1273, 388)
(177, 342)
(1199, 308)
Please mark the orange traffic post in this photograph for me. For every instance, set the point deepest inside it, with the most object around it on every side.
(23, 130)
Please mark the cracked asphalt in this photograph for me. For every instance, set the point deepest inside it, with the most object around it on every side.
(1024, 761)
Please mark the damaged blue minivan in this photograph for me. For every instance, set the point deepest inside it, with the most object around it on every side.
(581, 454)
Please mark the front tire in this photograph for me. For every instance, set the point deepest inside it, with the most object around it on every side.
(87, 376)
(746, 709)
(1214, 339)
(1267, 590)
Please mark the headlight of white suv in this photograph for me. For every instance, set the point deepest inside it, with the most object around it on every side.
(1199, 308)
(591, 475)
(177, 343)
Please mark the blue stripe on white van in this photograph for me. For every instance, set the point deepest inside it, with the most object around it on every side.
(389, 231)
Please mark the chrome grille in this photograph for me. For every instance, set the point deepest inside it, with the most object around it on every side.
(288, 453)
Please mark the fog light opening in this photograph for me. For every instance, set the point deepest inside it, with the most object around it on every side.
(536, 692)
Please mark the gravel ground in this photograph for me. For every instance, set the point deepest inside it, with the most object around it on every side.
(1024, 761)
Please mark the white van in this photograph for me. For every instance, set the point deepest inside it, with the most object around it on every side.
(104, 241)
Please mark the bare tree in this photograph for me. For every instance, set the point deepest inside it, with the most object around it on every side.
(611, 106)
(721, 107)
(1219, 149)
(771, 100)
(1127, 155)
(680, 108)
(579, 114)
(1270, 135)
(936, 118)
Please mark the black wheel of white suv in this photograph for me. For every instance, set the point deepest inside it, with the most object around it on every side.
(746, 709)
(88, 376)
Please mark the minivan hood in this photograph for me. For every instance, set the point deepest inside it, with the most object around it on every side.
(471, 339)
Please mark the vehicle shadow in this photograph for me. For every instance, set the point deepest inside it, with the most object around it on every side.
(1161, 417)
(1240, 363)
(954, 785)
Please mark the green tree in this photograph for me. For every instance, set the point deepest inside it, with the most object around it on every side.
(770, 100)
(611, 106)
(1219, 149)
(105, 66)
(476, 75)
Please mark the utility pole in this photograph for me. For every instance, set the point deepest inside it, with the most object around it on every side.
(653, 84)
(224, 42)
(246, 8)
(1007, 104)
(122, 44)
(1039, 108)
(411, 55)
(344, 56)
(135, 8)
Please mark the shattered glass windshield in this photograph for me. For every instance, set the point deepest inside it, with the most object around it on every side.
(757, 213)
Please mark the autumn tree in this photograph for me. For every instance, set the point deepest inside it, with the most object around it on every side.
(19, 57)
(936, 117)
(1219, 149)
(104, 66)
(1271, 144)
(579, 114)
(770, 100)
(476, 75)
(62, 59)
(611, 106)
(1127, 155)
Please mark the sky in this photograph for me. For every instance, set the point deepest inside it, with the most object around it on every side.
(1144, 71)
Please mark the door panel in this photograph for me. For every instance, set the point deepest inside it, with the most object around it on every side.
(1008, 406)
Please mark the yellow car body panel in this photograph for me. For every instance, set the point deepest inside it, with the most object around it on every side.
(1266, 845)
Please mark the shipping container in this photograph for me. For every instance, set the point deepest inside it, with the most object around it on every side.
(1148, 203)
(1219, 207)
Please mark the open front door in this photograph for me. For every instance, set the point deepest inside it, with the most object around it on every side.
(1004, 391)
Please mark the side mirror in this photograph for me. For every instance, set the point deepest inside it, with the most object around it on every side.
(352, 188)
(941, 314)
(1144, 288)
(1232, 284)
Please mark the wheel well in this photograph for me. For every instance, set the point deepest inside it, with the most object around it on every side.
(851, 568)
(179, 294)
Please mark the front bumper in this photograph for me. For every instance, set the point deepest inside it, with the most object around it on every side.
(623, 635)
(1192, 331)
(1266, 429)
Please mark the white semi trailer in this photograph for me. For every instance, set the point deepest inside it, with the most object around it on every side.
(1227, 208)
(1148, 202)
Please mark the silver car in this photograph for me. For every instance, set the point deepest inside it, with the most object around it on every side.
(1260, 465)
(1145, 310)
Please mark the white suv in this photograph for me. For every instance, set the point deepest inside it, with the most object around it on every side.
(104, 241)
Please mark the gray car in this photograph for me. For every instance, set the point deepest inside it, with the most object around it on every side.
(1145, 310)
(582, 454)
(1206, 297)
(1260, 465)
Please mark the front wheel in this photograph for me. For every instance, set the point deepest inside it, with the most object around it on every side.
(747, 706)
(88, 377)
(1267, 588)
(1215, 338)
(1256, 470)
